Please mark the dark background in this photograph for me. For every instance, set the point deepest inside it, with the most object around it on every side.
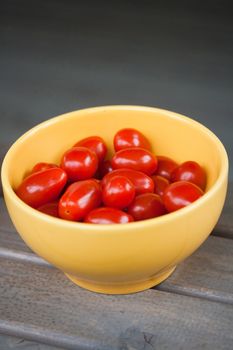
(60, 55)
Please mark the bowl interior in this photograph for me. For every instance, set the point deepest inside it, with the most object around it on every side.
(172, 135)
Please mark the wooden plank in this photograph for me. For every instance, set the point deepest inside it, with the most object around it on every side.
(12, 343)
(224, 227)
(9, 238)
(8, 234)
(207, 273)
(5, 221)
(3, 149)
(40, 304)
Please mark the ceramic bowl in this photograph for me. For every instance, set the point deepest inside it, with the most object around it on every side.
(118, 259)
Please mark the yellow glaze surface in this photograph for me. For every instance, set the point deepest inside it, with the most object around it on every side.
(118, 259)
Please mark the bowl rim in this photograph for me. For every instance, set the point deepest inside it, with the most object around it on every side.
(223, 174)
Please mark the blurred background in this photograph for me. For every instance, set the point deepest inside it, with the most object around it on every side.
(61, 55)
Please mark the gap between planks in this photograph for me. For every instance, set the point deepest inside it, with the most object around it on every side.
(206, 274)
(45, 336)
(11, 246)
(35, 301)
(8, 342)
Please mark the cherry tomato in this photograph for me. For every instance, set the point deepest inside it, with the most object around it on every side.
(50, 209)
(118, 192)
(105, 216)
(80, 163)
(42, 187)
(95, 144)
(165, 167)
(127, 138)
(142, 182)
(135, 158)
(104, 168)
(97, 181)
(80, 198)
(160, 184)
(190, 171)
(180, 194)
(146, 206)
(43, 166)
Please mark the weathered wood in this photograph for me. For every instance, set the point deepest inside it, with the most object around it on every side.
(39, 303)
(207, 273)
(12, 343)
(5, 221)
(9, 238)
(3, 149)
(12, 241)
(224, 227)
(17, 255)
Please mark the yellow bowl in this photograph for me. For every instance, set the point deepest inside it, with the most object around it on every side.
(118, 259)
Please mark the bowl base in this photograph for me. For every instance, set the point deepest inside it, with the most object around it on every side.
(122, 288)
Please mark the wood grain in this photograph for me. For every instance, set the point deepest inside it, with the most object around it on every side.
(207, 273)
(5, 221)
(13, 343)
(224, 227)
(35, 301)
(3, 149)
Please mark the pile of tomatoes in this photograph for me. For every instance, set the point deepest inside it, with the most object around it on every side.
(134, 185)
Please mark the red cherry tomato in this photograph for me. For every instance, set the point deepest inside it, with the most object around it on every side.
(180, 194)
(80, 198)
(105, 216)
(80, 163)
(165, 167)
(135, 158)
(43, 166)
(160, 184)
(127, 138)
(50, 209)
(142, 182)
(97, 181)
(146, 206)
(42, 187)
(190, 171)
(118, 192)
(95, 144)
(104, 168)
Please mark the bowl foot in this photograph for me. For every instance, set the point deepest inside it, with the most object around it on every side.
(122, 288)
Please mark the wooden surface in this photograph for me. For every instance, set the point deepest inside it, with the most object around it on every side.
(8, 343)
(57, 56)
(66, 315)
(225, 227)
(61, 55)
(40, 309)
(192, 309)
